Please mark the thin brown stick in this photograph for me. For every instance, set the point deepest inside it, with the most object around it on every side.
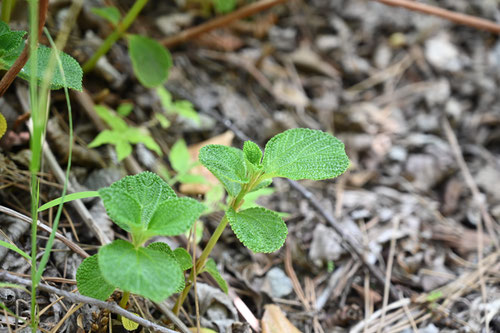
(11, 74)
(220, 21)
(77, 249)
(464, 19)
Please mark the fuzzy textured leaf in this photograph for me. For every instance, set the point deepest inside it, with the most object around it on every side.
(174, 216)
(303, 153)
(252, 152)
(211, 268)
(90, 281)
(259, 229)
(227, 164)
(143, 192)
(144, 271)
(9, 40)
(122, 208)
(150, 60)
(183, 258)
(72, 70)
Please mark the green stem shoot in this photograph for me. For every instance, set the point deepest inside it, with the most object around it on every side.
(7, 6)
(115, 35)
(200, 263)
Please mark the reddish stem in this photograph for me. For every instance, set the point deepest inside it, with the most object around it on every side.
(11, 74)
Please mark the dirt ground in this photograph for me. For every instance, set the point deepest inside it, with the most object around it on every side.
(407, 240)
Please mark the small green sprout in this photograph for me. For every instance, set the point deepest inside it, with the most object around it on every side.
(121, 135)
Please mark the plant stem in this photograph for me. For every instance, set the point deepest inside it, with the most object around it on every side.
(7, 6)
(115, 35)
(124, 300)
(200, 263)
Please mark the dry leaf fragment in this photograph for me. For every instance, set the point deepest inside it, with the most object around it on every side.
(274, 321)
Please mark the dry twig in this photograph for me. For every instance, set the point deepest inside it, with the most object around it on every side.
(243, 12)
(471, 21)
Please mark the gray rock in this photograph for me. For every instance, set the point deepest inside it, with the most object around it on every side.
(325, 245)
(277, 283)
(442, 54)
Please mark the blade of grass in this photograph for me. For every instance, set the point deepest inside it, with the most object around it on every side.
(50, 242)
(67, 198)
(15, 249)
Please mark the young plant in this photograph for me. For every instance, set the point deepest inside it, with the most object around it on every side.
(145, 206)
(121, 135)
(295, 154)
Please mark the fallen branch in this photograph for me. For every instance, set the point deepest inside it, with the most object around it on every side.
(77, 298)
(243, 12)
(464, 19)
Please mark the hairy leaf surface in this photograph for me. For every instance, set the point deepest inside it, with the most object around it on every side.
(303, 153)
(90, 281)
(174, 216)
(133, 200)
(227, 164)
(144, 271)
(252, 152)
(259, 229)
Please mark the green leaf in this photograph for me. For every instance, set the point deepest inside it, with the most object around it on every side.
(192, 179)
(67, 198)
(259, 229)
(183, 258)
(124, 109)
(146, 189)
(305, 154)
(161, 246)
(252, 197)
(90, 281)
(150, 60)
(211, 268)
(121, 207)
(15, 249)
(224, 6)
(144, 271)
(139, 135)
(179, 157)
(186, 109)
(252, 152)
(174, 216)
(104, 137)
(9, 40)
(123, 149)
(111, 14)
(110, 118)
(227, 164)
(72, 70)
(128, 324)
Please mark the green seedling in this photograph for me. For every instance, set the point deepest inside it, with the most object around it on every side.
(295, 154)
(224, 6)
(12, 45)
(145, 206)
(121, 135)
(181, 164)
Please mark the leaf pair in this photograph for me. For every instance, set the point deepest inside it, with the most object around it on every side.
(121, 135)
(143, 205)
(155, 272)
(296, 154)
